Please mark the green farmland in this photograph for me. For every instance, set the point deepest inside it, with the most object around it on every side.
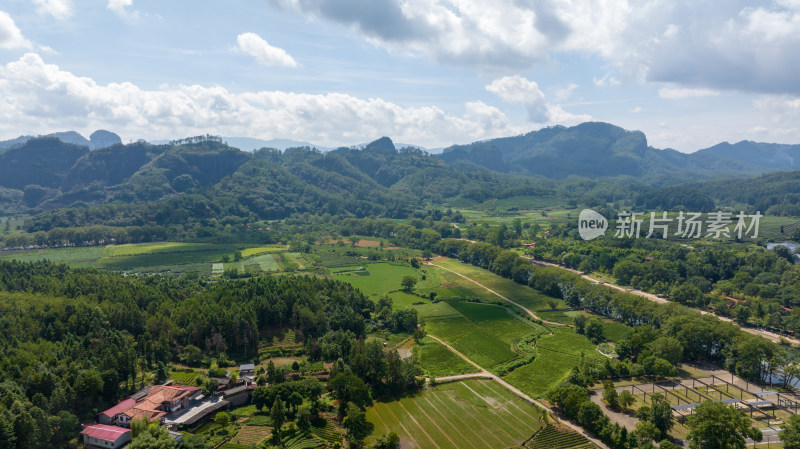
(485, 415)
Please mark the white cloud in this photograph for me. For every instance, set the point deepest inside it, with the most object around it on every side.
(606, 80)
(40, 97)
(465, 32)
(518, 89)
(563, 93)
(263, 52)
(10, 36)
(681, 93)
(60, 9)
(636, 109)
(731, 45)
(119, 7)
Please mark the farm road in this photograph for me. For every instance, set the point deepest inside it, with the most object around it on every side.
(772, 336)
(528, 311)
(485, 373)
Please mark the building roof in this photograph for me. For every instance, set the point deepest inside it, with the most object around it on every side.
(121, 407)
(104, 432)
(235, 391)
(157, 395)
(247, 366)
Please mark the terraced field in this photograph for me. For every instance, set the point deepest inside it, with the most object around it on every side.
(552, 437)
(461, 415)
(248, 435)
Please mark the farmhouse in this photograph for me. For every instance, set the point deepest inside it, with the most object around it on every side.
(104, 436)
(158, 402)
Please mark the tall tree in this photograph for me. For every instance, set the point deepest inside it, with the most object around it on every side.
(715, 425)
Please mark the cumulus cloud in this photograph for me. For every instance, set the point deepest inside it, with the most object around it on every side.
(737, 44)
(680, 93)
(39, 97)
(518, 89)
(60, 9)
(463, 33)
(10, 35)
(263, 52)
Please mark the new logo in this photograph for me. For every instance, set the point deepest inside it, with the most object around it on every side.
(591, 224)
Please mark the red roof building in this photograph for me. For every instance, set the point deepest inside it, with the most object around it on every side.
(109, 416)
(105, 436)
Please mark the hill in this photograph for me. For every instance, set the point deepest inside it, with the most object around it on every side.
(99, 139)
(597, 150)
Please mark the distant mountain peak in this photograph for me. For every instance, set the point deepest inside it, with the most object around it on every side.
(102, 138)
(384, 144)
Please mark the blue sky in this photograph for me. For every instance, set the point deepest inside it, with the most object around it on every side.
(430, 72)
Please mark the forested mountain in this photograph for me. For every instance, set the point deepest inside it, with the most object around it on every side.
(597, 150)
(772, 156)
(202, 181)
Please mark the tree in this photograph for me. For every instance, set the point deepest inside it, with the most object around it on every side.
(667, 348)
(390, 441)
(303, 417)
(791, 433)
(626, 399)
(594, 330)
(685, 293)
(7, 437)
(357, 425)
(161, 372)
(659, 413)
(580, 323)
(233, 378)
(277, 416)
(222, 419)
(716, 425)
(153, 436)
(610, 396)
(408, 282)
(646, 432)
(552, 303)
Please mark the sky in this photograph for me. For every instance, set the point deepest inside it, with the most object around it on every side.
(689, 74)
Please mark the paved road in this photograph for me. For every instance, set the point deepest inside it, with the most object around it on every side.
(485, 373)
(763, 333)
(533, 315)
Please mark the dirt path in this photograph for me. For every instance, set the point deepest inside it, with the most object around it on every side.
(772, 336)
(480, 375)
(533, 315)
(518, 392)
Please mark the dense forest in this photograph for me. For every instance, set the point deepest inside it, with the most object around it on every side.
(72, 342)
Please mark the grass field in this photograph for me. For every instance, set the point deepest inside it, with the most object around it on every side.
(469, 414)
(250, 252)
(438, 361)
(481, 332)
(557, 355)
(84, 257)
(521, 294)
(184, 377)
(380, 278)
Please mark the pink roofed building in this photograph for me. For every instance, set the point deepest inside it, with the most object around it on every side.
(105, 436)
(160, 401)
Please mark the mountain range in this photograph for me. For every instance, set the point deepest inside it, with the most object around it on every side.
(591, 161)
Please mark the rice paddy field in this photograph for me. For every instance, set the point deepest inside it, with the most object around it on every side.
(475, 413)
